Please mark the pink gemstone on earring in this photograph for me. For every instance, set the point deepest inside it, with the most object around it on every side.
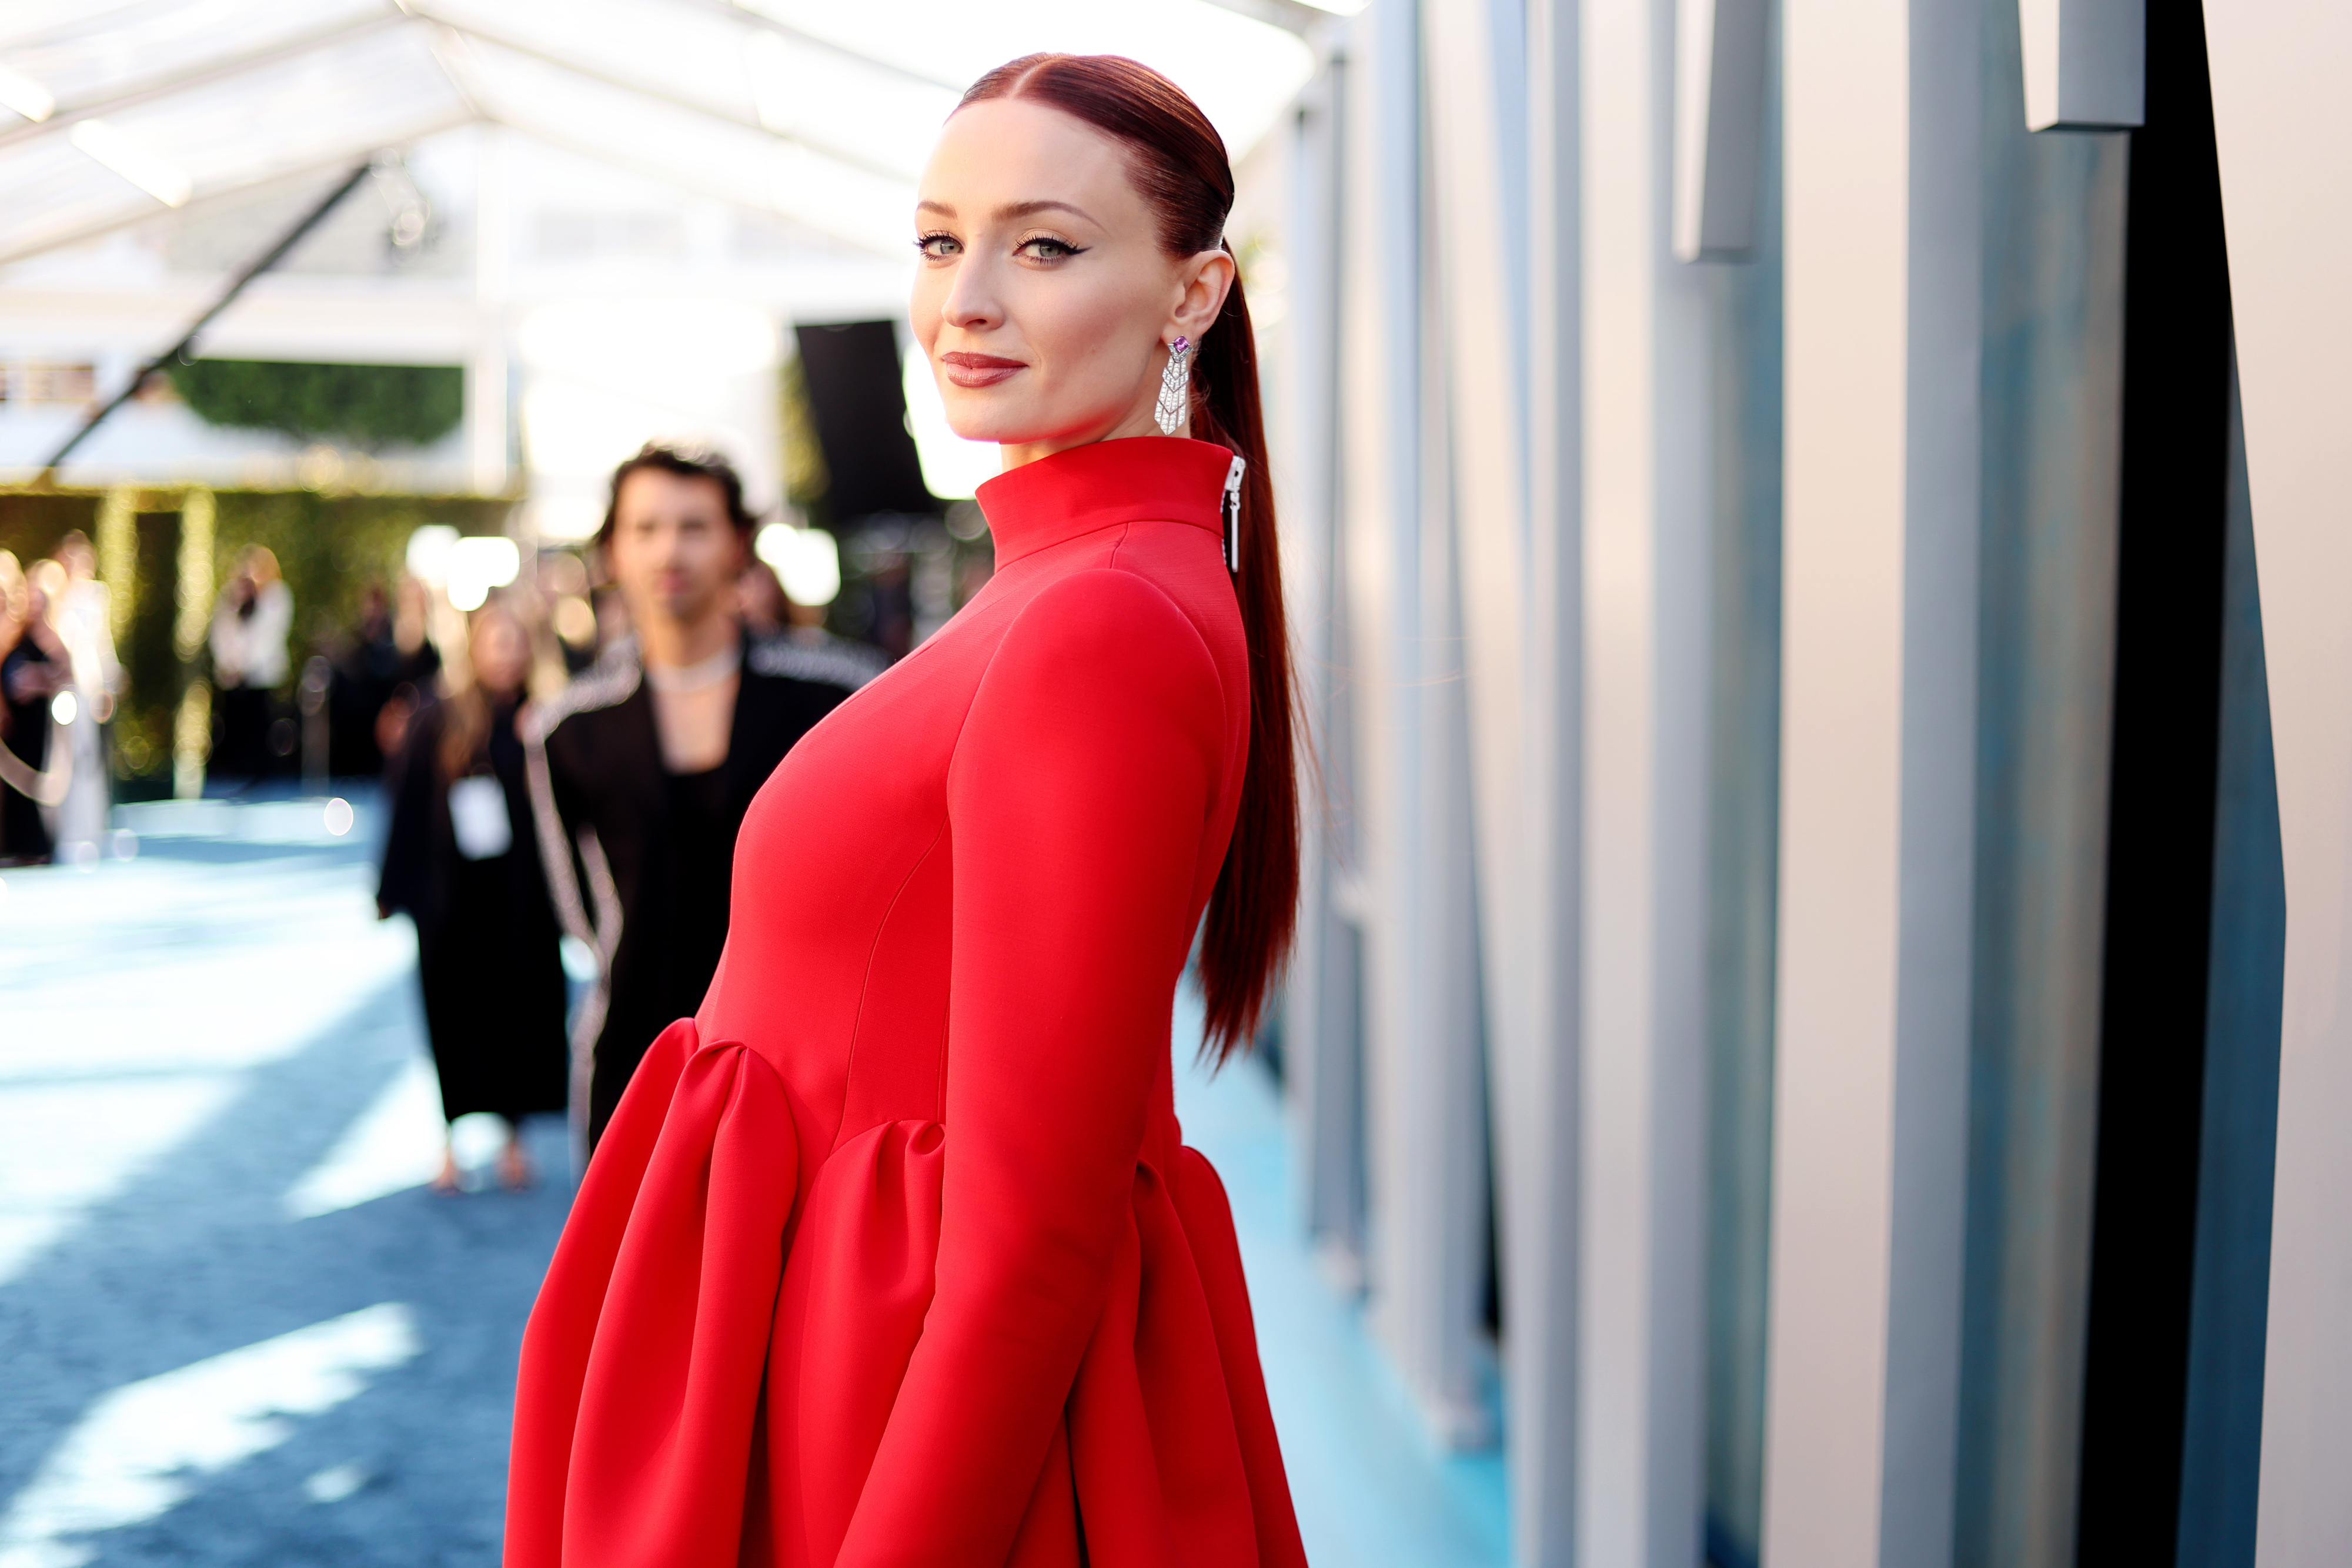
(1181, 344)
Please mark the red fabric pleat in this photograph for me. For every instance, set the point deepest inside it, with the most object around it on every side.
(856, 1289)
(642, 1364)
(691, 1397)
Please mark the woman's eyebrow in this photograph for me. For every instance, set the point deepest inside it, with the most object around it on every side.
(1012, 209)
(1030, 209)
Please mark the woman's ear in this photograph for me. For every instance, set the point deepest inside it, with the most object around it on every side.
(1206, 279)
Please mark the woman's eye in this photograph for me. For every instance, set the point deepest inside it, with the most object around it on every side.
(1043, 248)
(940, 246)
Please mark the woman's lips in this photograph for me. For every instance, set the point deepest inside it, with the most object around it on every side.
(979, 370)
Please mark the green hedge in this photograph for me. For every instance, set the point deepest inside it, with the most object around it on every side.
(328, 547)
(366, 405)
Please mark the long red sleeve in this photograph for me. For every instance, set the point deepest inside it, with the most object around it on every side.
(1081, 786)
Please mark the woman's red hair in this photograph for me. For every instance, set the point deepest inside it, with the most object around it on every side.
(1179, 164)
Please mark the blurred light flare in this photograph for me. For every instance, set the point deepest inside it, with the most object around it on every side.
(339, 816)
(427, 556)
(479, 564)
(807, 561)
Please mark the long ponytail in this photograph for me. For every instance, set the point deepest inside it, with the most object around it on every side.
(1180, 166)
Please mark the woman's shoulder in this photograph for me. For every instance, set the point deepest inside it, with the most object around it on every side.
(1108, 614)
(1104, 640)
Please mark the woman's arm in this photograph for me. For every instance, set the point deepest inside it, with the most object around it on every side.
(1081, 787)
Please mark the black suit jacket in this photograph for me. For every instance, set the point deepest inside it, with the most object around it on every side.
(601, 802)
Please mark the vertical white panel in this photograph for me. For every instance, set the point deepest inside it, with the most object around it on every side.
(1877, 744)
(1322, 1034)
(1719, 66)
(2085, 63)
(1427, 1169)
(1541, 1269)
(1495, 248)
(1646, 583)
(2282, 123)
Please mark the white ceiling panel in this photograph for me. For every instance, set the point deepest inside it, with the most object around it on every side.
(1241, 71)
(700, 151)
(682, 53)
(816, 109)
(92, 54)
(350, 98)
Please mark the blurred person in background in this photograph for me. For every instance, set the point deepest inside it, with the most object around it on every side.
(460, 859)
(250, 624)
(642, 770)
(761, 599)
(413, 660)
(15, 778)
(368, 668)
(37, 669)
(769, 611)
(85, 624)
(564, 581)
(611, 613)
(12, 602)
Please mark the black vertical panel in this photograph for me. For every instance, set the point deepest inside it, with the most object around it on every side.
(2171, 562)
(853, 375)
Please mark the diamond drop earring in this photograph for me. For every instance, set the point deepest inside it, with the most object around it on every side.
(1175, 387)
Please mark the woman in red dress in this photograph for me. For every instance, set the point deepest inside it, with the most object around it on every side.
(893, 1254)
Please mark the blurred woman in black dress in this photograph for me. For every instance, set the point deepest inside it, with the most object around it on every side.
(34, 668)
(460, 859)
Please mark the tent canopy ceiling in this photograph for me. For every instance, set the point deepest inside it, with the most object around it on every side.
(111, 111)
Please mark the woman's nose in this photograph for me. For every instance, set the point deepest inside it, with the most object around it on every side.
(970, 303)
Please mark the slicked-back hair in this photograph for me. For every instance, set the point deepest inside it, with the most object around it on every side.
(686, 463)
(1179, 165)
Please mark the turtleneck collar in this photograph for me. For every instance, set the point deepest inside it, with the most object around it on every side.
(1101, 484)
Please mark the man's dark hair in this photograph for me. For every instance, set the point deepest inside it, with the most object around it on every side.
(686, 463)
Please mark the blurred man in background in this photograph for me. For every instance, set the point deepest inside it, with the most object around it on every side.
(641, 772)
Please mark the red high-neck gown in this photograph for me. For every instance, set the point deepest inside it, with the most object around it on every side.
(894, 1254)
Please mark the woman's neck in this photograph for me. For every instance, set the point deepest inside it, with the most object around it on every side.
(1137, 420)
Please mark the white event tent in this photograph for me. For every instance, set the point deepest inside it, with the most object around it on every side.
(132, 116)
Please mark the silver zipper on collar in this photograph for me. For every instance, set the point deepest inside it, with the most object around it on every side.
(1231, 505)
